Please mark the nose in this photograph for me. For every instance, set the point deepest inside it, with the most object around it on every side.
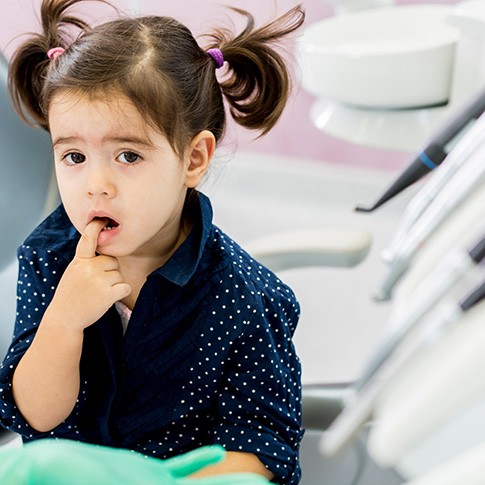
(100, 182)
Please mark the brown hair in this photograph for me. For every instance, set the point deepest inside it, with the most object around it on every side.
(156, 62)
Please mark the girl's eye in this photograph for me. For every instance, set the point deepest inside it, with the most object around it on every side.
(74, 158)
(129, 157)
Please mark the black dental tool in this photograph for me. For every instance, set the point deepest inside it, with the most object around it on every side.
(473, 298)
(436, 150)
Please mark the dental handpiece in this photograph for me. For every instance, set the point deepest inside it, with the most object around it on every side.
(450, 314)
(446, 275)
(473, 298)
(465, 182)
(458, 157)
(381, 371)
(436, 150)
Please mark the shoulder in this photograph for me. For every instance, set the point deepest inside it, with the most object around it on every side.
(55, 236)
(241, 277)
(244, 268)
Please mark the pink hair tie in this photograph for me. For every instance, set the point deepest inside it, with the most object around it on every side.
(55, 52)
(216, 54)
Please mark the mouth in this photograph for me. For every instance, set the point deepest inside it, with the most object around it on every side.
(109, 224)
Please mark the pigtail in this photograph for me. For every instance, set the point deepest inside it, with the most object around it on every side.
(30, 64)
(258, 84)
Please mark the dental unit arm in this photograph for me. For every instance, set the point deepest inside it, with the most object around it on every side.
(387, 362)
(421, 398)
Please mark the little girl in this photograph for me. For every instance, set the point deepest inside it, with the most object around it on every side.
(140, 324)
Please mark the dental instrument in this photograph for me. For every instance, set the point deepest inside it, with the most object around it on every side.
(433, 410)
(436, 150)
(447, 274)
(456, 159)
(473, 298)
(468, 180)
(375, 377)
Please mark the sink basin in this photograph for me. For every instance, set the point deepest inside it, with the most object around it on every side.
(390, 57)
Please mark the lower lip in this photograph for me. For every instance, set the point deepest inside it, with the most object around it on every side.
(106, 236)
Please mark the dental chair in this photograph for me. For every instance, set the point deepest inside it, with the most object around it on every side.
(27, 194)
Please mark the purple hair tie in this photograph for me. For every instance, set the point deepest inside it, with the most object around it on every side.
(216, 54)
(55, 52)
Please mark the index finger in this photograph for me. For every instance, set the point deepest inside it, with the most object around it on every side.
(86, 247)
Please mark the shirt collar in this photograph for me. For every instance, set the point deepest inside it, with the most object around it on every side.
(183, 263)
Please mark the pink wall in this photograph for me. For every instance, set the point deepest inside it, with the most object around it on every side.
(294, 135)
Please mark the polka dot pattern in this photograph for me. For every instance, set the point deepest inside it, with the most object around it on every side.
(207, 357)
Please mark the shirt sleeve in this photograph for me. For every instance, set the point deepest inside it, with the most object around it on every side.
(259, 407)
(39, 273)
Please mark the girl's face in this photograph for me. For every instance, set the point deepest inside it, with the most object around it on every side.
(111, 164)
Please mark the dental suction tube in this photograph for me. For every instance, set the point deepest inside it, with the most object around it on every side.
(436, 150)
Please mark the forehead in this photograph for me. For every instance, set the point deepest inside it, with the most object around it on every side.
(78, 112)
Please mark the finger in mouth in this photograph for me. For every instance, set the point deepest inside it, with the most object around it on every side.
(109, 223)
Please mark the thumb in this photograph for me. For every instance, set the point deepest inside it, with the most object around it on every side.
(86, 247)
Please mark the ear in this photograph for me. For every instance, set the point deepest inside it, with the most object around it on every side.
(198, 157)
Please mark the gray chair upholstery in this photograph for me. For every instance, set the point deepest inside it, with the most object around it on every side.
(26, 195)
(26, 177)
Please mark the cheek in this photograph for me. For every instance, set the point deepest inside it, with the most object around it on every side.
(65, 182)
(69, 196)
(156, 203)
(160, 188)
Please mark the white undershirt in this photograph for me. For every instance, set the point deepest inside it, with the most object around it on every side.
(125, 314)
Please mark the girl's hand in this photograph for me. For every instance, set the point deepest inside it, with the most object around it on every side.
(90, 284)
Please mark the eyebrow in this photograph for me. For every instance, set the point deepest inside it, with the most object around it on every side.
(65, 140)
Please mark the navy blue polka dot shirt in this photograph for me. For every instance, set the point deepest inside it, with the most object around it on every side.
(207, 357)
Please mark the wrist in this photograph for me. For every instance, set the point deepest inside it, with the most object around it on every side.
(57, 322)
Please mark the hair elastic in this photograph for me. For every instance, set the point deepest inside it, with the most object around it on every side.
(216, 54)
(55, 52)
